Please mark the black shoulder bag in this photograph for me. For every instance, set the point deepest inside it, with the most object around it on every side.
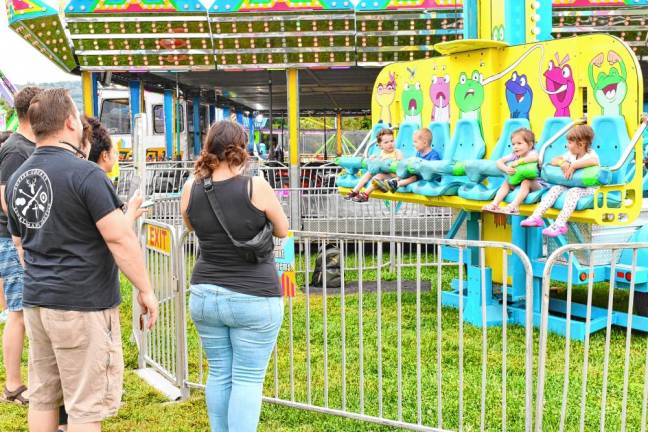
(256, 250)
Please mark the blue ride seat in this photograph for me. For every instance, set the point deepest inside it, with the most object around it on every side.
(479, 170)
(551, 127)
(467, 143)
(405, 138)
(610, 141)
(440, 140)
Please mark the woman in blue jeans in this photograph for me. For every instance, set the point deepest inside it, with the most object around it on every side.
(236, 306)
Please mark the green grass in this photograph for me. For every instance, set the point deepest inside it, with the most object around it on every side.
(144, 409)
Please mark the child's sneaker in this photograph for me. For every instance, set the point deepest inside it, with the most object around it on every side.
(351, 195)
(361, 197)
(392, 184)
(532, 221)
(555, 230)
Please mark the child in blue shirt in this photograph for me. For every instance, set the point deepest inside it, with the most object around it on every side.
(424, 150)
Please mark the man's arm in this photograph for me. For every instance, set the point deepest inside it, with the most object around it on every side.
(2, 199)
(115, 228)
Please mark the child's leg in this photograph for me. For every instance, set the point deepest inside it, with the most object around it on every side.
(571, 199)
(407, 181)
(501, 193)
(525, 188)
(548, 200)
(363, 180)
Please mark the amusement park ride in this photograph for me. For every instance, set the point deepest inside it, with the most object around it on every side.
(471, 70)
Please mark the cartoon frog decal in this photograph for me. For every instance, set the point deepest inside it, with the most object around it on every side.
(609, 89)
(519, 96)
(412, 99)
(560, 84)
(469, 96)
(385, 95)
(440, 96)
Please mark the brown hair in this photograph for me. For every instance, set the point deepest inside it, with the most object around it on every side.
(382, 133)
(225, 143)
(99, 138)
(426, 134)
(582, 134)
(526, 134)
(22, 100)
(48, 112)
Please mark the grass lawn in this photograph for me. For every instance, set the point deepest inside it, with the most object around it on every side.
(144, 409)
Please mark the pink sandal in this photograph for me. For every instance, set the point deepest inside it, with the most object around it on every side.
(511, 210)
(532, 221)
(555, 230)
(493, 208)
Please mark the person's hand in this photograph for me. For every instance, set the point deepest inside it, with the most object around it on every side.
(564, 166)
(569, 171)
(509, 170)
(149, 305)
(514, 163)
(133, 211)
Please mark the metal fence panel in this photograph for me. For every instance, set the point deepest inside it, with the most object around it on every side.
(601, 383)
(372, 343)
(163, 347)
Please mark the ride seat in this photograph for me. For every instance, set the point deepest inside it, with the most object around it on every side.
(551, 127)
(478, 170)
(440, 140)
(467, 143)
(610, 141)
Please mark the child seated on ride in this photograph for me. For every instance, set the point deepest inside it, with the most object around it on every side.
(385, 140)
(424, 151)
(522, 141)
(579, 155)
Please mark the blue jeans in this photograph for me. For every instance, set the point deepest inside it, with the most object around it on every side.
(238, 333)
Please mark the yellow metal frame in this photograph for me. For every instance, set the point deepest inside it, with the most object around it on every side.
(293, 115)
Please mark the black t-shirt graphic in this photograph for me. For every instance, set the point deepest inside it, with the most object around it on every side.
(54, 201)
(13, 154)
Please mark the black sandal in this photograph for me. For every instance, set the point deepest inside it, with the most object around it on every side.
(16, 396)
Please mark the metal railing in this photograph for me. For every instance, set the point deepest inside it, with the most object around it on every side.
(374, 344)
(162, 347)
(584, 395)
(317, 202)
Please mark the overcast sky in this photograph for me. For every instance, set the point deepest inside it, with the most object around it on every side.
(21, 62)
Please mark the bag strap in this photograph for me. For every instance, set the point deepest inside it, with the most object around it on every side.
(213, 203)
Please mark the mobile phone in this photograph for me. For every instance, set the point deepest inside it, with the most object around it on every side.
(147, 204)
(134, 187)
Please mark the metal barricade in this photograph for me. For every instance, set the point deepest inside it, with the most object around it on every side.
(601, 383)
(367, 343)
(163, 347)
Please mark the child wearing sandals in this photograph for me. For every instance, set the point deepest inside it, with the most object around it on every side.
(522, 141)
(579, 155)
(385, 140)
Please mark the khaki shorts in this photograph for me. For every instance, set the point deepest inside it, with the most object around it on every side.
(75, 358)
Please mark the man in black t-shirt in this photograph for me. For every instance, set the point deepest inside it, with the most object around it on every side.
(71, 234)
(13, 153)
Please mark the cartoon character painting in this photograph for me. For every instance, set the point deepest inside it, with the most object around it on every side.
(412, 99)
(519, 96)
(609, 89)
(560, 84)
(469, 96)
(440, 96)
(385, 95)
